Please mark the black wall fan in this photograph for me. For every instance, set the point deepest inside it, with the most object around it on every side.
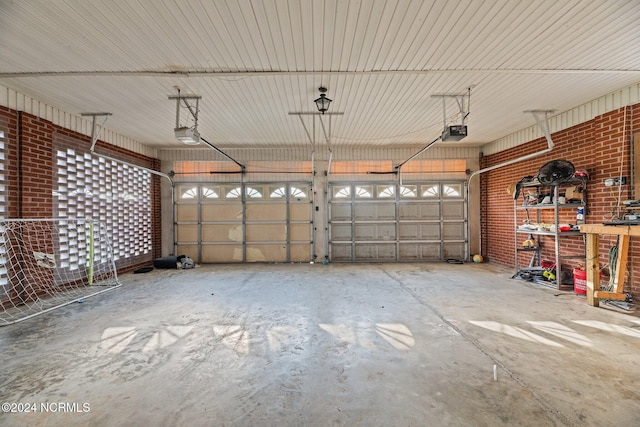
(555, 172)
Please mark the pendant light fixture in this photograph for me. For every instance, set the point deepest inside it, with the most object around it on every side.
(323, 102)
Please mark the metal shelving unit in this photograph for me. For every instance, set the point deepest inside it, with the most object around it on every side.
(536, 268)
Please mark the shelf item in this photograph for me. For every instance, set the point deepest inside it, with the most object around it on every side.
(536, 198)
(550, 233)
(573, 205)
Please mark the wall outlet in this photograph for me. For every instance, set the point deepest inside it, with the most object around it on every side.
(610, 182)
(621, 180)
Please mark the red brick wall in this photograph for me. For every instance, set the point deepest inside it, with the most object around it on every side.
(30, 168)
(36, 163)
(602, 146)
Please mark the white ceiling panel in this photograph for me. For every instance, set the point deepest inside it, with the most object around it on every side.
(255, 62)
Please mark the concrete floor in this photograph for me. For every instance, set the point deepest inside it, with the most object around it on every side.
(314, 345)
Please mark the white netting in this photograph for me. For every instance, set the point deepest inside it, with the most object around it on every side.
(48, 263)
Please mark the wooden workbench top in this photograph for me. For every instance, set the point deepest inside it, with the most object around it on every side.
(619, 230)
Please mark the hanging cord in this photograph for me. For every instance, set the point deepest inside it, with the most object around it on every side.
(616, 210)
(613, 259)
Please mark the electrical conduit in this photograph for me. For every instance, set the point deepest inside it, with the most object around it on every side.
(545, 130)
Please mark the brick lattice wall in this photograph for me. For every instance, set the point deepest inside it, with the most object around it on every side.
(30, 168)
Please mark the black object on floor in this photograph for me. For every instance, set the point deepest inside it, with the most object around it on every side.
(166, 262)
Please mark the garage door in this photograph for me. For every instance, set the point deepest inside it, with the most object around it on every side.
(244, 222)
(391, 222)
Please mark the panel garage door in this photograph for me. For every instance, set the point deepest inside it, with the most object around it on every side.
(244, 222)
(391, 222)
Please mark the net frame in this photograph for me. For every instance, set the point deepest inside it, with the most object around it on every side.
(48, 263)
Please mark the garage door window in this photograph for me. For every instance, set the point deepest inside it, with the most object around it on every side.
(408, 191)
(431, 192)
(188, 193)
(281, 192)
(210, 193)
(388, 192)
(342, 192)
(448, 191)
(251, 193)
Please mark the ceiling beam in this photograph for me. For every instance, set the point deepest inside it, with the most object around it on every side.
(212, 73)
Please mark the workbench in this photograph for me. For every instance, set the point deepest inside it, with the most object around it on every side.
(592, 231)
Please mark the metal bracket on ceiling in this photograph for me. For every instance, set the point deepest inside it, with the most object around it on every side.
(544, 125)
(94, 134)
(94, 139)
(193, 108)
(327, 136)
(462, 99)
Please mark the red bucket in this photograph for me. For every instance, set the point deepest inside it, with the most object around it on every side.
(579, 281)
